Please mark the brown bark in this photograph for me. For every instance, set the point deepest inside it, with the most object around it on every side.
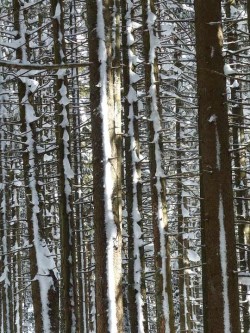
(68, 256)
(98, 190)
(132, 199)
(220, 288)
(158, 185)
(101, 221)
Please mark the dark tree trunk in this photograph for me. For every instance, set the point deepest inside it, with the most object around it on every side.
(220, 288)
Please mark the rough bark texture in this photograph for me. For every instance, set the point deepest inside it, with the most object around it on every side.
(220, 288)
(99, 197)
(68, 262)
(98, 190)
(158, 186)
(131, 200)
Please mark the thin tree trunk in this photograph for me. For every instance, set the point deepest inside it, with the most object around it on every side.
(137, 305)
(78, 174)
(67, 227)
(5, 233)
(163, 286)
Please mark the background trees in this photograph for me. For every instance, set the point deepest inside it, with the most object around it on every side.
(113, 115)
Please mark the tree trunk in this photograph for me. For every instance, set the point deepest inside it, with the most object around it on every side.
(163, 286)
(137, 305)
(106, 133)
(68, 257)
(220, 287)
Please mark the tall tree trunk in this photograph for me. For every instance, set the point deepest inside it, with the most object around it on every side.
(106, 169)
(67, 227)
(137, 305)
(5, 235)
(164, 297)
(220, 287)
(183, 264)
(78, 175)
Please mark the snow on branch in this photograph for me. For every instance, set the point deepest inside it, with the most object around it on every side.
(10, 64)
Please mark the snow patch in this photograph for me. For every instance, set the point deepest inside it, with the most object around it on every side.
(193, 256)
(223, 261)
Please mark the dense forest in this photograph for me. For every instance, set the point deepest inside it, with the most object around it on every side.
(124, 166)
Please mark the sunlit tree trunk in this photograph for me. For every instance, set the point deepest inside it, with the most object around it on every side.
(106, 168)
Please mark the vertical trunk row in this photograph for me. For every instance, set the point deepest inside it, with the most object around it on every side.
(17, 258)
(5, 278)
(164, 297)
(220, 288)
(136, 265)
(68, 272)
(183, 278)
(43, 280)
(78, 175)
(239, 159)
(7, 321)
(106, 168)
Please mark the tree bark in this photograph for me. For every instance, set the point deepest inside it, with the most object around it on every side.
(220, 287)
(106, 133)
(67, 226)
(137, 305)
(163, 285)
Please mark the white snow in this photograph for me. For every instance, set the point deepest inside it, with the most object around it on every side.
(223, 261)
(134, 77)
(44, 260)
(218, 148)
(212, 118)
(111, 231)
(47, 157)
(166, 29)
(132, 95)
(57, 12)
(193, 256)
(212, 52)
(31, 84)
(228, 70)
(61, 73)
(244, 278)
(235, 84)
